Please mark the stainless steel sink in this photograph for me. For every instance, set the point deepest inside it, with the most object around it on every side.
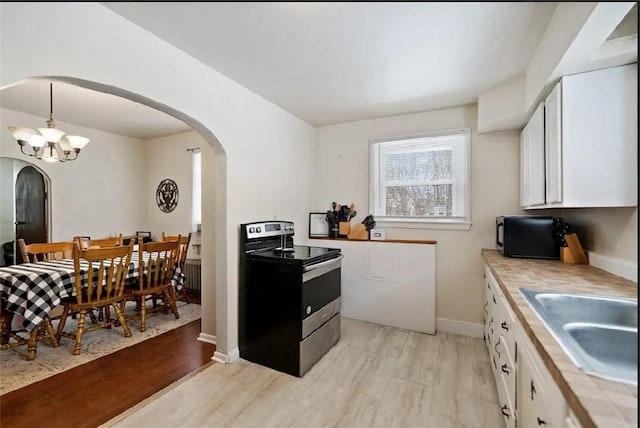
(599, 334)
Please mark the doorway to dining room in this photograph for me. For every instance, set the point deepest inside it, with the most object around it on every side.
(95, 160)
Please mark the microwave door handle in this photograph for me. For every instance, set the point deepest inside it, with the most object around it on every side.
(498, 243)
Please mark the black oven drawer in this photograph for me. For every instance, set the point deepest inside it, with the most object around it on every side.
(320, 291)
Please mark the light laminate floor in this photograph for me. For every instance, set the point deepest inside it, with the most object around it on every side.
(376, 376)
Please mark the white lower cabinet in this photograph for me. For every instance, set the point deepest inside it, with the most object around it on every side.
(540, 402)
(498, 327)
(389, 283)
(527, 395)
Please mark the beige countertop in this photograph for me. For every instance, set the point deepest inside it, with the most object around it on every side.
(595, 402)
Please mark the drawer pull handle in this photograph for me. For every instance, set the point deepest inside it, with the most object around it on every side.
(505, 369)
(485, 308)
(504, 325)
(533, 389)
(541, 421)
(496, 347)
(505, 411)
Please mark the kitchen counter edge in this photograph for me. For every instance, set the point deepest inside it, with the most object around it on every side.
(393, 241)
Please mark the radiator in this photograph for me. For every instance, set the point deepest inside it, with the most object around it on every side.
(193, 272)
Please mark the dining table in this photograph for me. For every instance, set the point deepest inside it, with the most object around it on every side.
(34, 289)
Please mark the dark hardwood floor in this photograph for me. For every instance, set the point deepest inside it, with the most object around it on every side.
(93, 393)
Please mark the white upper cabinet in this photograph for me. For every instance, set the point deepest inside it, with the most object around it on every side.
(553, 148)
(590, 142)
(532, 161)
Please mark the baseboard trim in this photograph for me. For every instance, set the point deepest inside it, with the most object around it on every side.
(461, 328)
(220, 357)
(207, 338)
(623, 268)
(228, 358)
(234, 355)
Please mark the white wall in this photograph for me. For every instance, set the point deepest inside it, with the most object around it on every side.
(7, 198)
(167, 157)
(342, 164)
(610, 236)
(104, 50)
(100, 194)
(136, 181)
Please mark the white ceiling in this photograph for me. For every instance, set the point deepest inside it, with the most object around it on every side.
(323, 62)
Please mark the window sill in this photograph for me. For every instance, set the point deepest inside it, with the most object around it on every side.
(422, 224)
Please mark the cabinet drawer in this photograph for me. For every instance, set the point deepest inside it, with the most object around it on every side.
(539, 400)
(507, 407)
(506, 325)
(508, 371)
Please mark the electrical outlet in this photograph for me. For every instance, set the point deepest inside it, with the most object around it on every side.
(377, 234)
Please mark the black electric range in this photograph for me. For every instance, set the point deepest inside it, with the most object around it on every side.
(289, 298)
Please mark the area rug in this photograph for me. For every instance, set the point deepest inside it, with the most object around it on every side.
(16, 372)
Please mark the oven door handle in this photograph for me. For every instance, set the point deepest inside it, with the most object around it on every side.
(319, 269)
(337, 261)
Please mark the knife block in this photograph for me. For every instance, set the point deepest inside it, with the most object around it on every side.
(573, 252)
(359, 233)
(344, 227)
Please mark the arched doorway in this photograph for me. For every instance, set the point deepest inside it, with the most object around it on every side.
(215, 319)
(24, 203)
(31, 206)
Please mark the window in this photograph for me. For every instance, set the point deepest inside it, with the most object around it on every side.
(421, 181)
(196, 191)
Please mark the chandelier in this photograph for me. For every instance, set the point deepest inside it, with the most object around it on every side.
(49, 144)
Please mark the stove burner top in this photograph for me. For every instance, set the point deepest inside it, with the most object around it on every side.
(298, 254)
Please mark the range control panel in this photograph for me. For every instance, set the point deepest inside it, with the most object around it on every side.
(267, 229)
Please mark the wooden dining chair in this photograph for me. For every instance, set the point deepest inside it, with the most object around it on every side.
(85, 242)
(99, 284)
(45, 251)
(48, 251)
(10, 338)
(182, 256)
(33, 253)
(156, 264)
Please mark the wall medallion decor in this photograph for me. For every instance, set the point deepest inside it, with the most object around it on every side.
(167, 195)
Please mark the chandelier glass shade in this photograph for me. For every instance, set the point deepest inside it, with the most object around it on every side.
(49, 144)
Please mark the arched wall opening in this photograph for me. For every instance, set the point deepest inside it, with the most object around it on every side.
(214, 247)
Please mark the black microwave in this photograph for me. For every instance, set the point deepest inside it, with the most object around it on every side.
(527, 236)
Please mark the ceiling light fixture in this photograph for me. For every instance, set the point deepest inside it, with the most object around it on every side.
(49, 144)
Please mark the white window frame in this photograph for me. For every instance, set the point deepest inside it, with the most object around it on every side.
(379, 147)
